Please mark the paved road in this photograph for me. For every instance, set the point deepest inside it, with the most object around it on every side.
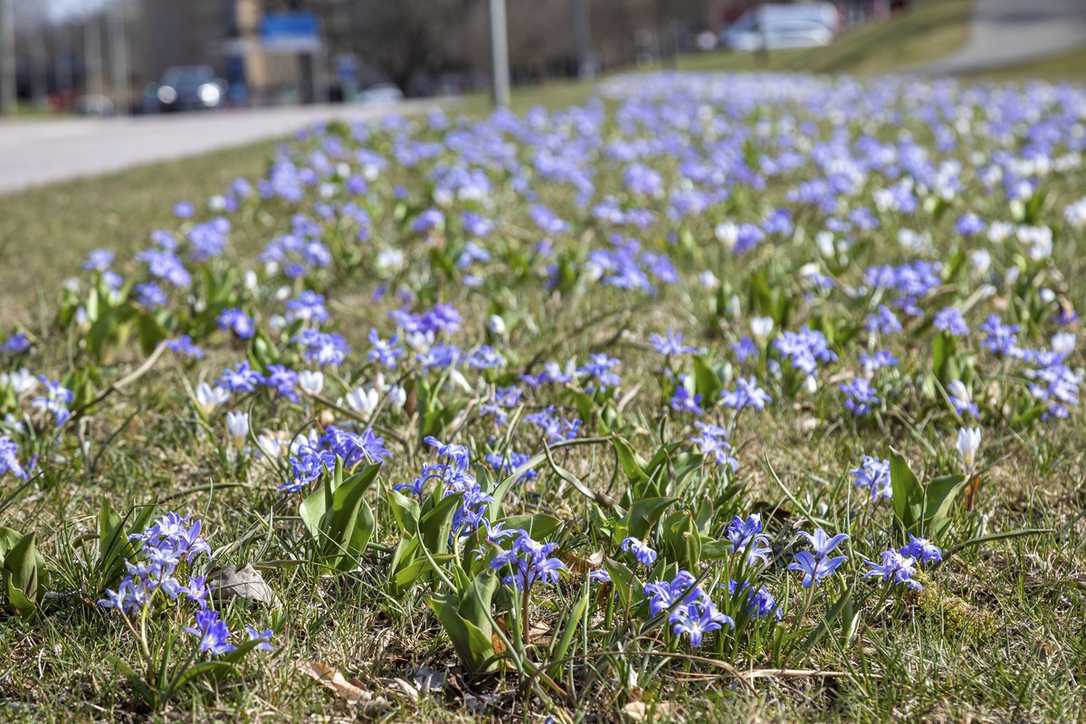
(40, 152)
(1008, 32)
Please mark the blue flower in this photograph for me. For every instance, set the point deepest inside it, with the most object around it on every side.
(16, 344)
(184, 346)
(747, 393)
(599, 370)
(241, 378)
(528, 562)
(859, 396)
(873, 474)
(684, 401)
(951, 321)
(814, 569)
(264, 637)
(760, 603)
(645, 556)
(822, 543)
(322, 348)
(238, 322)
(922, 550)
(745, 535)
(282, 380)
(895, 569)
(212, 632)
(671, 345)
(883, 321)
(696, 619)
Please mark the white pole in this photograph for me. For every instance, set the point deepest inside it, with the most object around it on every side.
(499, 54)
(118, 55)
(7, 56)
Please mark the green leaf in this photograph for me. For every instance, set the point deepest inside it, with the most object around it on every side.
(905, 490)
(573, 621)
(706, 382)
(645, 513)
(539, 526)
(436, 525)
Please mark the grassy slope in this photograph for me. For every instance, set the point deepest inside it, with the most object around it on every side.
(1065, 67)
(933, 29)
(46, 232)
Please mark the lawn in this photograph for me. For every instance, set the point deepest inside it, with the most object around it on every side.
(725, 397)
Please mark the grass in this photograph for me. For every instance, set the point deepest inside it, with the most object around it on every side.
(1069, 67)
(995, 635)
(929, 31)
(46, 232)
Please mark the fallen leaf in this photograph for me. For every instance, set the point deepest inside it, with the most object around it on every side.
(246, 583)
(332, 678)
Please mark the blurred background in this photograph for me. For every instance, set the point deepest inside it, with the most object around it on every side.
(114, 57)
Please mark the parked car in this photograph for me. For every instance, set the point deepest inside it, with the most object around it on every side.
(776, 26)
(381, 93)
(189, 88)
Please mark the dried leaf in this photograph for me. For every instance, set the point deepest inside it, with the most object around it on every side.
(349, 691)
(247, 583)
(429, 680)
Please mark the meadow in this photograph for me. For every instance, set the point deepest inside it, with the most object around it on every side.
(713, 397)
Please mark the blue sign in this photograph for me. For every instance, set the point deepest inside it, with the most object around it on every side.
(290, 32)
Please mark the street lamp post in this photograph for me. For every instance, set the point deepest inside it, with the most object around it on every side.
(7, 56)
(499, 54)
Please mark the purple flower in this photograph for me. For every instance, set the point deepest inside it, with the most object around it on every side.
(951, 321)
(760, 603)
(184, 346)
(822, 543)
(528, 562)
(384, 353)
(1001, 339)
(238, 322)
(873, 474)
(747, 393)
(283, 381)
(599, 371)
(16, 344)
(684, 401)
(859, 396)
(9, 459)
(642, 553)
(895, 569)
(264, 637)
(323, 349)
(712, 442)
(671, 345)
(814, 568)
(696, 619)
(922, 550)
(241, 378)
(745, 535)
(883, 321)
(354, 448)
(212, 632)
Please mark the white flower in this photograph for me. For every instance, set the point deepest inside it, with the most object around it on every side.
(760, 327)
(458, 379)
(708, 280)
(1063, 343)
(727, 234)
(968, 444)
(237, 424)
(363, 401)
(311, 381)
(397, 396)
(208, 397)
(21, 382)
(496, 325)
(981, 260)
(270, 445)
(959, 391)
